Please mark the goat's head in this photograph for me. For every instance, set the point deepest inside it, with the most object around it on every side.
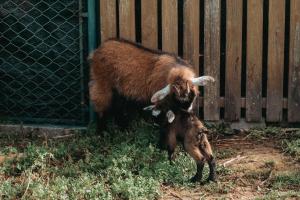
(182, 90)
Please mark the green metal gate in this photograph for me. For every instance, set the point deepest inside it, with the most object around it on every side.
(43, 75)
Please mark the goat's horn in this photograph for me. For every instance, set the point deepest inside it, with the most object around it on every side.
(188, 87)
(160, 94)
(155, 112)
(202, 80)
(151, 107)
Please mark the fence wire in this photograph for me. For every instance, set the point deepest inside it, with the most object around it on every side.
(41, 68)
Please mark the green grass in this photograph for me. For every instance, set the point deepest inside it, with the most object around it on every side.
(263, 133)
(275, 194)
(122, 165)
(284, 186)
(286, 181)
(225, 153)
(291, 145)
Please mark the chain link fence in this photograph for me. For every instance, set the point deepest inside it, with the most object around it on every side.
(42, 72)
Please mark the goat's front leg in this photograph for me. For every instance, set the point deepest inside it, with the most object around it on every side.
(171, 144)
(162, 139)
(167, 141)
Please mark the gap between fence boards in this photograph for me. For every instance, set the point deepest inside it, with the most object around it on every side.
(243, 102)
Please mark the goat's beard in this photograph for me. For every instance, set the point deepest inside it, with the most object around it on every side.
(184, 102)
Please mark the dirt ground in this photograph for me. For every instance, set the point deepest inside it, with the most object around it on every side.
(253, 164)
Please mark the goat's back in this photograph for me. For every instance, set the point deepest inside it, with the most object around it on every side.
(132, 70)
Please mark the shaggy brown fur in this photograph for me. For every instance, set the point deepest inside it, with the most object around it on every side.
(136, 73)
(190, 130)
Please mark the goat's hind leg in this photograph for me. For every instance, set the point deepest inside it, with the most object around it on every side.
(206, 150)
(101, 122)
(212, 169)
(101, 97)
(198, 176)
(195, 153)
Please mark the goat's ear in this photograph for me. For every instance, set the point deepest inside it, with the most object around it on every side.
(171, 116)
(202, 80)
(155, 112)
(161, 94)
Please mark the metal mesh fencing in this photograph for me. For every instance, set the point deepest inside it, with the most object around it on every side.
(41, 61)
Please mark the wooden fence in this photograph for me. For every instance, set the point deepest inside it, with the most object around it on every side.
(251, 47)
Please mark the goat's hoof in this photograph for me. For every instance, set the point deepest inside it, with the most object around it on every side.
(195, 179)
(212, 179)
(172, 158)
(171, 162)
(209, 180)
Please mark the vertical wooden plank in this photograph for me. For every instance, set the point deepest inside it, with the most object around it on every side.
(234, 10)
(191, 32)
(275, 60)
(149, 23)
(170, 26)
(212, 17)
(127, 19)
(254, 60)
(108, 19)
(294, 66)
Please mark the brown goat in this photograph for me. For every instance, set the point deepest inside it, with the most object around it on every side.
(187, 128)
(140, 74)
(180, 124)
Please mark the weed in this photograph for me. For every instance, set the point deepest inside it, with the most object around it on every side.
(258, 174)
(270, 164)
(292, 147)
(225, 153)
(8, 150)
(263, 133)
(275, 194)
(220, 128)
(219, 188)
(286, 181)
